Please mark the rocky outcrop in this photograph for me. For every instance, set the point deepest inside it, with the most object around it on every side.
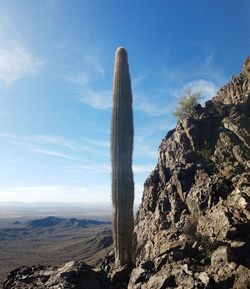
(75, 275)
(193, 225)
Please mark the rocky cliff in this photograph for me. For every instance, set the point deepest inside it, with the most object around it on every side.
(192, 228)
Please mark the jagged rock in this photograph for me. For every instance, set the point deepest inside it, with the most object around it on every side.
(197, 200)
(139, 276)
(242, 278)
(247, 67)
(148, 265)
(121, 274)
(159, 281)
(75, 275)
(222, 254)
(184, 280)
(203, 276)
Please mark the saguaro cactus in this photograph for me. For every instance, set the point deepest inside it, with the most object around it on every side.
(121, 150)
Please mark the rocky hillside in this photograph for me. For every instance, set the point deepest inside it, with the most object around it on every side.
(192, 229)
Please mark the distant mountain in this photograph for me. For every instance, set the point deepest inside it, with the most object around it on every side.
(47, 226)
(46, 222)
(17, 223)
(72, 222)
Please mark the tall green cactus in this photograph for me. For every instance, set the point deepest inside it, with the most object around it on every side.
(121, 150)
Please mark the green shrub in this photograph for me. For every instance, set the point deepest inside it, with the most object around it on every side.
(186, 103)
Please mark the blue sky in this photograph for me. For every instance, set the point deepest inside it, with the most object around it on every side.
(56, 69)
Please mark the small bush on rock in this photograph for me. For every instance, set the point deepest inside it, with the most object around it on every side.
(186, 103)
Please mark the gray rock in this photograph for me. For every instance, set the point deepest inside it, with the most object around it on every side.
(201, 182)
(221, 255)
(204, 278)
(75, 275)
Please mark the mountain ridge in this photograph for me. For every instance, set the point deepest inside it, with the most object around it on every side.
(42, 227)
(53, 221)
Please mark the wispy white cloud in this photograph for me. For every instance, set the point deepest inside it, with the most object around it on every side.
(93, 61)
(81, 78)
(96, 98)
(90, 68)
(89, 167)
(54, 193)
(56, 145)
(146, 150)
(137, 81)
(207, 88)
(16, 63)
(84, 79)
(145, 168)
(209, 71)
(97, 142)
(161, 125)
(39, 139)
(204, 76)
(53, 153)
(16, 59)
(153, 106)
(102, 99)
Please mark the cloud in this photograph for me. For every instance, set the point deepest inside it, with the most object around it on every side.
(90, 67)
(63, 194)
(207, 88)
(16, 63)
(39, 139)
(150, 107)
(54, 193)
(97, 142)
(209, 71)
(96, 98)
(16, 60)
(94, 62)
(160, 125)
(53, 145)
(90, 72)
(137, 81)
(145, 168)
(146, 150)
(80, 78)
(53, 153)
(102, 99)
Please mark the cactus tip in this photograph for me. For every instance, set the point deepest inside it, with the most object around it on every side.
(121, 52)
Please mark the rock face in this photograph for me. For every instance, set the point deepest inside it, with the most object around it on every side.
(192, 229)
(193, 223)
(73, 275)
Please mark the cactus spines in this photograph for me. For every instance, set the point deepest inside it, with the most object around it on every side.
(121, 155)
